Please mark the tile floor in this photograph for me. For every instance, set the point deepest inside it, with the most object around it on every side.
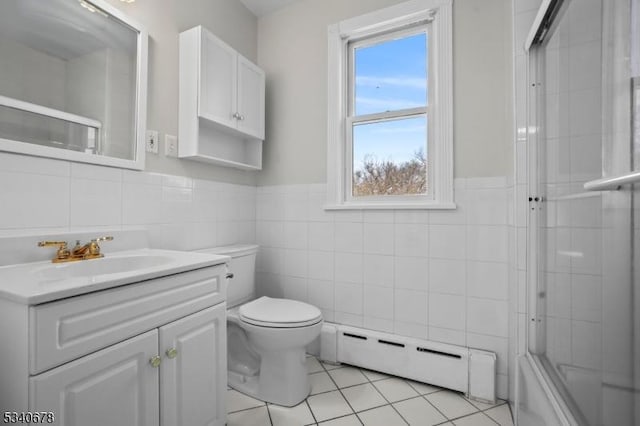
(350, 396)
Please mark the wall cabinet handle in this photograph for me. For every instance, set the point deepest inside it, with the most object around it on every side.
(172, 353)
(229, 275)
(155, 361)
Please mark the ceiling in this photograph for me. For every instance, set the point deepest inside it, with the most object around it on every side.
(264, 7)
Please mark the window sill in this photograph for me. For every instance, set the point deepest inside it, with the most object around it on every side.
(432, 205)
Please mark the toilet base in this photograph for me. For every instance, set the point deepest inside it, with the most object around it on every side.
(285, 383)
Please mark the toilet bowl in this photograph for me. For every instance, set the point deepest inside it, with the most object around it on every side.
(266, 337)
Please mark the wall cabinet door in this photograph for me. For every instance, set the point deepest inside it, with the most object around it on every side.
(232, 88)
(194, 369)
(112, 387)
(222, 103)
(251, 86)
(218, 71)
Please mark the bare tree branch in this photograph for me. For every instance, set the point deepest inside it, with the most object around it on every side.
(388, 178)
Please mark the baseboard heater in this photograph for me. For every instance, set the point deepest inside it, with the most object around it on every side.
(459, 368)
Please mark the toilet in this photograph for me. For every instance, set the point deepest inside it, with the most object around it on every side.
(266, 337)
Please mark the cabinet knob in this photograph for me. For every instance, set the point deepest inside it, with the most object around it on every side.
(229, 275)
(155, 361)
(241, 117)
(236, 116)
(172, 353)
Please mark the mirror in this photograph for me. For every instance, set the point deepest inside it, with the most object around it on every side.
(72, 82)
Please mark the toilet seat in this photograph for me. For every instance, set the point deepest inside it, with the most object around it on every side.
(279, 313)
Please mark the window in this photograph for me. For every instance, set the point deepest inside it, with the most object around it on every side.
(389, 123)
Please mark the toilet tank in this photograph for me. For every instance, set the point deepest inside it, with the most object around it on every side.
(242, 287)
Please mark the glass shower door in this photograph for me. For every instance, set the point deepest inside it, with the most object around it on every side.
(586, 299)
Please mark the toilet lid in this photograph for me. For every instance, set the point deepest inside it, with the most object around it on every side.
(269, 312)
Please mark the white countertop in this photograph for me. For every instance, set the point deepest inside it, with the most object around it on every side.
(40, 282)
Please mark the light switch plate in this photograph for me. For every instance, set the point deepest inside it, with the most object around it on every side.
(170, 146)
(152, 141)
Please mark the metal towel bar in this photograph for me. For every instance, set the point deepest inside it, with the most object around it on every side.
(612, 183)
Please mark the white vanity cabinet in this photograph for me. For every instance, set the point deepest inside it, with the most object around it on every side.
(150, 353)
(193, 382)
(115, 386)
(222, 103)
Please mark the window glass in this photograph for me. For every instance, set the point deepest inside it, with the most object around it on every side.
(391, 75)
(390, 157)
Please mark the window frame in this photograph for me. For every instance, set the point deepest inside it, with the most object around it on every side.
(352, 120)
(412, 17)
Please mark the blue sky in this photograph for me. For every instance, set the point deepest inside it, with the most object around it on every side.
(390, 76)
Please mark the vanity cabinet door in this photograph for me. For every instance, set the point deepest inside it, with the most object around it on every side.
(193, 373)
(251, 86)
(112, 387)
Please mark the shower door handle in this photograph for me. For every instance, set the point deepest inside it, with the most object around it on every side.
(612, 183)
(615, 183)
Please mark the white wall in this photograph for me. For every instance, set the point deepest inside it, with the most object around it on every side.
(292, 49)
(164, 20)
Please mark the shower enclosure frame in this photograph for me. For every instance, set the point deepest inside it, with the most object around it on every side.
(557, 404)
(540, 380)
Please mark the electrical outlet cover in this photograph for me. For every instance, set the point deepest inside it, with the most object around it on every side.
(152, 141)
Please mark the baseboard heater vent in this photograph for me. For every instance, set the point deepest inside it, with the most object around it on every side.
(459, 368)
(355, 336)
(431, 351)
(386, 342)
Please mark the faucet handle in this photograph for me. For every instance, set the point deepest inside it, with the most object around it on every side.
(94, 248)
(96, 240)
(62, 253)
(51, 243)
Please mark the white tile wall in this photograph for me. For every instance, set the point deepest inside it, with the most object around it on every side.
(378, 270)
(44, 195)
(438, 275)
(419, 274)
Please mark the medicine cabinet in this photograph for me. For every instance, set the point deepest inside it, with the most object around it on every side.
(73, 82)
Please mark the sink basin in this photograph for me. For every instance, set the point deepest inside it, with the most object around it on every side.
(102, 266)
(43, 281)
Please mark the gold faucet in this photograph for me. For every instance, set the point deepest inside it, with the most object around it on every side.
(90, 250)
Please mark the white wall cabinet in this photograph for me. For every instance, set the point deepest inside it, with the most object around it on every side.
(147, 354)
(251, 90)
(222, 103)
